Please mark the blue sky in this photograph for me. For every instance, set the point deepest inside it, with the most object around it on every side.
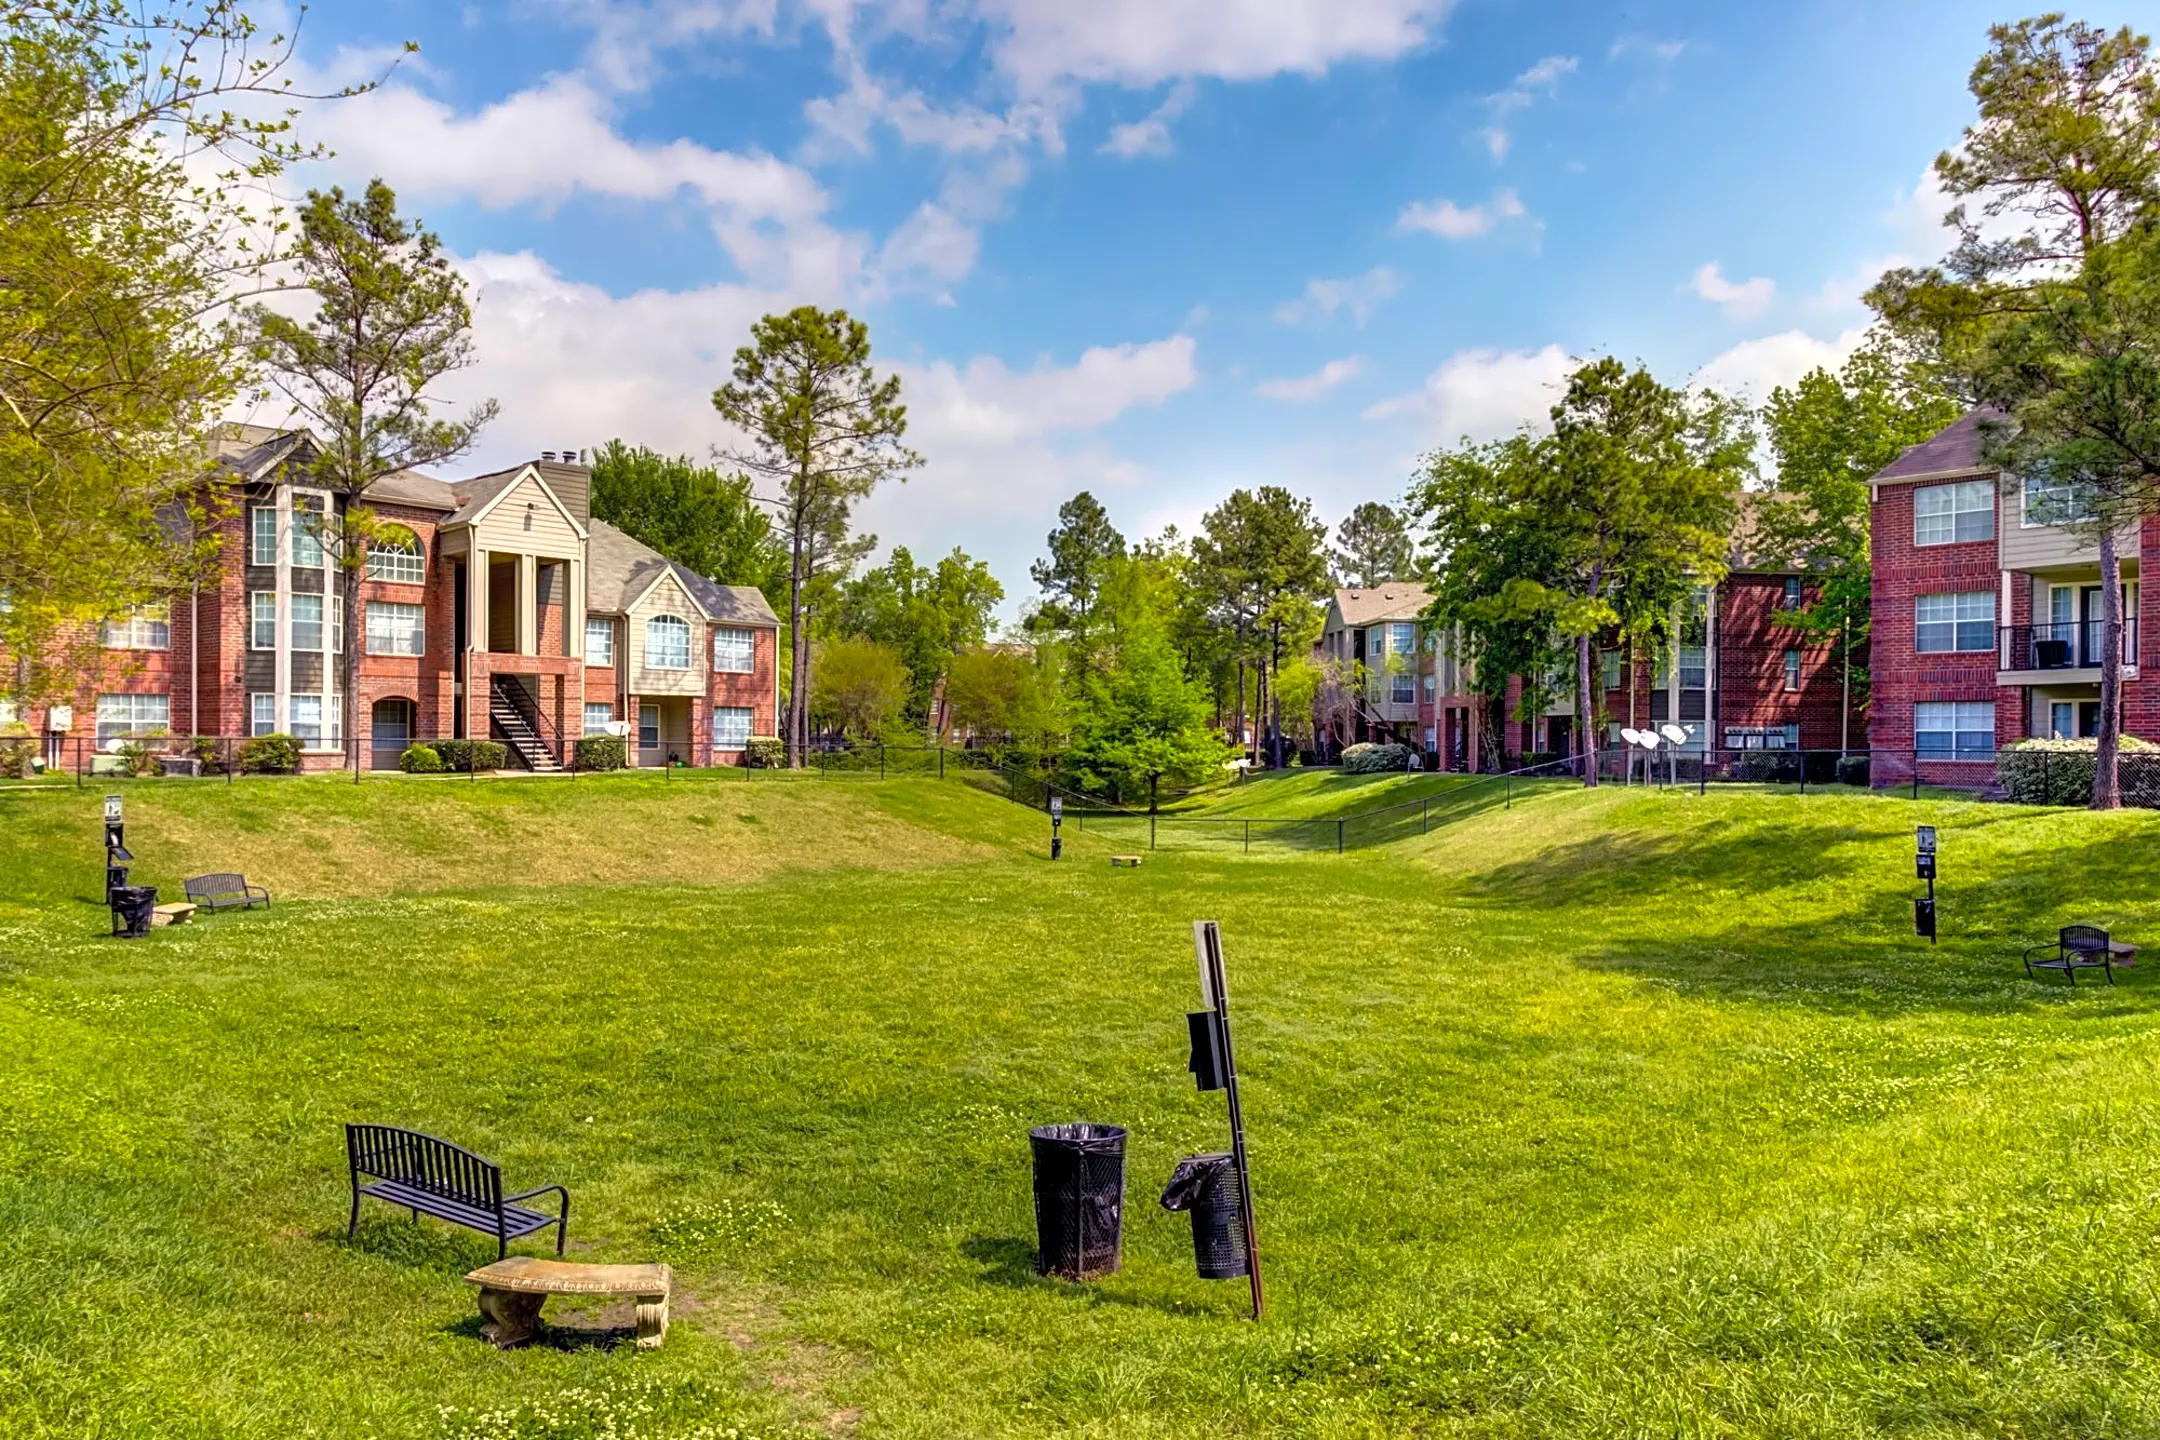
(1152, 248)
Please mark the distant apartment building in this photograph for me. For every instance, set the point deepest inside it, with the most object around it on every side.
(493, 607)
(1987, 613)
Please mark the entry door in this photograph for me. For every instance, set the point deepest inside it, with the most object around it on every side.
(648, 729)
(2092, 630)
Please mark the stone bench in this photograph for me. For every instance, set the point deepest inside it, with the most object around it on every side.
(513, 1290)
(178, 912)
(1125, 862)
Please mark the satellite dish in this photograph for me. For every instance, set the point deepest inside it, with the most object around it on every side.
(1631, 735)
(1674, 733)
(1647, 738)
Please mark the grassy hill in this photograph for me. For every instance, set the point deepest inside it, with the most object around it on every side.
(1619, 1113)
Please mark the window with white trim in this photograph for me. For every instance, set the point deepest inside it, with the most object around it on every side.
(121, 716)
(2049, 501)
(1954, 730)
(262, 714)
(648, 727)
(1792, 592)
(1945, 624)
(307, 536)
(1402, 638)
(734, 652)
(307, 720)
(1609, 669)
(262, 535)
(396, 629)
(262, 620)
(1694, 667)
(337, 624)
(598, 716)
(145, 629)
(599, 642)
(396, 558)
(1950, 514)
(1403, 689)
(730, 727)
(1792, 669)
(667, 643)
(307, 622)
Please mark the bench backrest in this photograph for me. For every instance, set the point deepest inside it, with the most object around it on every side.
(2085, 939)
(212, 885)
(389, 1153)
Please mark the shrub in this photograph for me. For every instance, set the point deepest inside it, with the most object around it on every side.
(1853, 770)
(2054, 772)
(139, 757)
(465, 756)
(602, 752)
(489, 755)
(270, 755)
(15, 759)
(1371, 759)
(209, 755)
(1768, 767)
(420, 760)
(454, 754)
(765, 752)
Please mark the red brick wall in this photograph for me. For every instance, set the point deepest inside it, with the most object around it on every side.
(1751, 666)
(753, 691)
(1902, 677)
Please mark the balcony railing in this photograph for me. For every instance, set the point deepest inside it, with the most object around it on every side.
(2072, 646)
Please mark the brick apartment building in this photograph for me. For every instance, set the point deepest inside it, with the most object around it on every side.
(1988, 614)
(496, 607)
(1736, 678)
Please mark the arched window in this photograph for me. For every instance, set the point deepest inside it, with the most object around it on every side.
(667, 643)
(395, 555)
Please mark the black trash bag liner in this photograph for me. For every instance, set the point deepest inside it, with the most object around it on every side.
(1207, 1186)
(1194, 1176)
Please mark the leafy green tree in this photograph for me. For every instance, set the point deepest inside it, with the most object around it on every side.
(827, 429)
(1140, 720)
(1372, 546)
(690, 513)
(862, 686)
(983, 689)
(391, 319)
(1260, 560)
(1830, 434)
(135, 142)
(1081, 548)
(2042, 323)
(928, 614)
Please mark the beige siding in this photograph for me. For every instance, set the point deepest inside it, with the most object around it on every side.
(541, 530)
(2042, 547)
(667, 598)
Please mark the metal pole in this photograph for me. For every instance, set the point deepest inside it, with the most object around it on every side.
(1212, 940)
(881, 759)
(941, 762)
(1424, 815)
(1339, 837)
(1916, 774)
(1248, 837)
(1151, 831)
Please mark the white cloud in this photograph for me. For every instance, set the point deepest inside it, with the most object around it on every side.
(849, 119)
(1150, 136)
(1739, 301)
(1357, 294)
(1665, 50)
(1484, 394)
(1541, 78)
(1458, 222)
(1311, 387)
(1753, 368)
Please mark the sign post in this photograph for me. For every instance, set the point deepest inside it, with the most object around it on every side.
(1214, 1067)
(1057, 818)
(1924, 864)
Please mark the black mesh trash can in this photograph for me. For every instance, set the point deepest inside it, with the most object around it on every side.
(1207, 1186)
(132, 907)
(1079, 1199)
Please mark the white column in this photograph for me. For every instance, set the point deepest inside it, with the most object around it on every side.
(527, 628)
(280, 719)
(476, 600)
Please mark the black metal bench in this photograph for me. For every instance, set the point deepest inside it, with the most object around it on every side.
(226, 892)
(434, 1177)
(2076, 947)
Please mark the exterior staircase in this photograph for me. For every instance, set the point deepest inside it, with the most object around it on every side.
(517, 724)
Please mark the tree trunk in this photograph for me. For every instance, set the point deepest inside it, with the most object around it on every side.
(1240, 729)
(349, 658)
(1844, 735)
(2106, 790)
(1274, 691)
(798, 733)
(1585, 743)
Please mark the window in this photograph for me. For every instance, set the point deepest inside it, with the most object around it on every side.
(1432, 686)
(119, 716)
(1792, 592)
(262, 549)
(2049, 501)
(307, 622)
(1946, 623)
(2062, 720)
(598, 716)
(599, 642)
(734, 651)
(1609, 668)
(1762, 737)
(337, 624)
(648, 726)
(1403, 689)
(1959, 730)
(307, 533)
(1694, 667)
(396, 629)
(1402, 638)
(307, 720)
(667, 643)
(262, 714)
(730, 727)
(262, 620)
(1792, 669)
(396, 557)
(144, 629)
(1945, 514)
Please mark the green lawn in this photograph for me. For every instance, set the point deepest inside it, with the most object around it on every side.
(1625, 1113)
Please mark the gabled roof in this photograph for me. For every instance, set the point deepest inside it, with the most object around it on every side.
(477, 496)
(621, 571)
(1396, 600)
(1953, 450)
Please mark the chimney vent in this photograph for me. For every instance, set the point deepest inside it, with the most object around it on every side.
(547, 455)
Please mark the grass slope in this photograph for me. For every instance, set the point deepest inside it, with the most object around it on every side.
(1623, 1113)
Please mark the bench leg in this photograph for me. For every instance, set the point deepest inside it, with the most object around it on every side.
(652, 1318)
(512, 1316)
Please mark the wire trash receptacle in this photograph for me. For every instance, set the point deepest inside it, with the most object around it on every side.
(1079, 1199)
(1207, 1186)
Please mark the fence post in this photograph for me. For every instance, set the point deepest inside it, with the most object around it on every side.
(881, 759)
(1151, 831)
(1803, 772)
(1916, 774)
(78, 761)
(1508, 786)
(1702, 770)
(1424, 815)
(941, 762)
(1248, 837)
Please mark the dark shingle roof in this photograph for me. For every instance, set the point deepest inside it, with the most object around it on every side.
(1952, 449)
(620, 569)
